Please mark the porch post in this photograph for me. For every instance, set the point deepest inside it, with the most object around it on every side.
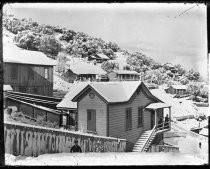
(155, 117)
(169, 118)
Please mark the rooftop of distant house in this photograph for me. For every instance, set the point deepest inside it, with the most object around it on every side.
(125, 72)
(102, 56)
(179, 86)
(85, 68)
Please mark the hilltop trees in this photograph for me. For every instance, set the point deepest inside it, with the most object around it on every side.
(109, 66)
(32, 36)
(192, 75)
(49, 45)
(28, 40)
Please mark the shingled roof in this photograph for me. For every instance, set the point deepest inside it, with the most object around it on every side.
(14, 54)
(179, 86)
(115, 92)
(125, 72)
(85, 68)
(75, 89)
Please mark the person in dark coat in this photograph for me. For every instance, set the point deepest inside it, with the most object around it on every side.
(76, 148)
(166, 124)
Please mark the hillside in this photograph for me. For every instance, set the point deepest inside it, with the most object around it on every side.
(68, 45)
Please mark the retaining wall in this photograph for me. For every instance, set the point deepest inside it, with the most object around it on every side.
(29, 140)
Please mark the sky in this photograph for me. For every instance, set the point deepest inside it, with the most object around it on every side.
(166, 32)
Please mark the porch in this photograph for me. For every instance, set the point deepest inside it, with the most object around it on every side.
(160, 117)
(158, 126)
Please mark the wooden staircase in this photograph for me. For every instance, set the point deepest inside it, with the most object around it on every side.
(144, 141)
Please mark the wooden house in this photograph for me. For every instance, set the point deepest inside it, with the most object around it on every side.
(83, 71)
(125, 110)
(177, 89)
(99, 57)
(123, 75)
(28, 71)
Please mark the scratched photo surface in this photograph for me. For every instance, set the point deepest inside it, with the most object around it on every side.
(105, 74)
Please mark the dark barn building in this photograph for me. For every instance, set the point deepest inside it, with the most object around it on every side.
(28, 71)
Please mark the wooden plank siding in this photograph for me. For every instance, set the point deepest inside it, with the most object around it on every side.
(117, 119)
(101, 113)
(31, 77)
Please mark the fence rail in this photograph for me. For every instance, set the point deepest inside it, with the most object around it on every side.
(163, 148)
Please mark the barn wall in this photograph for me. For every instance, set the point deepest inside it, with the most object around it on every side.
(30, 77)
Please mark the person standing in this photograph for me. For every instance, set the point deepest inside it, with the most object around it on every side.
(166, 124)
(199, 144)
(75, 148)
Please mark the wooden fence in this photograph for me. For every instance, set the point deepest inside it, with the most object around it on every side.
(29, 140)
(163, 148)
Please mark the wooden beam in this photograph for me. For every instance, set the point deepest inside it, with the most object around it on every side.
(155, 117)
(169, 118)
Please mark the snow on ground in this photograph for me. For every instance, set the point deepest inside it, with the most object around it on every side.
(189, 142)
(7, 37)
(60, 84)
(108, 159)
(180, 107)
(191, 123)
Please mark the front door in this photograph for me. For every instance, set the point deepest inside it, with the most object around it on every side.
(152, 118)
(91, 120)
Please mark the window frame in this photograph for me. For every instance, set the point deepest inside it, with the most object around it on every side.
(46, 73)
(142, 117)
(128, 119)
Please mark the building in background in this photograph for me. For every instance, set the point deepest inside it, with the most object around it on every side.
(28, 71)
(123, 75)
(177, 89)
(83, 72)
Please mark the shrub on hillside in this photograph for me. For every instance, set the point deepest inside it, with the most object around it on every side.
(68, 35)
(109, 66)
(28, 40)
(49, 45)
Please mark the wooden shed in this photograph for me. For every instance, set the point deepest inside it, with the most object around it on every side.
(177, 89)
(125, 110)
(28, 71)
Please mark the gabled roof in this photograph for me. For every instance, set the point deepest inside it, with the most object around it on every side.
(14, 54)
(157, 105)
(102, 56)
(125, 72)
(66, 102)
(115, 92)
(85, 68)
(179, 86)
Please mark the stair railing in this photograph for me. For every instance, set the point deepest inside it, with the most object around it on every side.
(152, 133)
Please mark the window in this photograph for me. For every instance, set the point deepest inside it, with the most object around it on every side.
(64, 121)
(46, 73)
(128, 119)
(14, 71)
(140, 116)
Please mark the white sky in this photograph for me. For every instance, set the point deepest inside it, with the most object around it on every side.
(155, 29)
